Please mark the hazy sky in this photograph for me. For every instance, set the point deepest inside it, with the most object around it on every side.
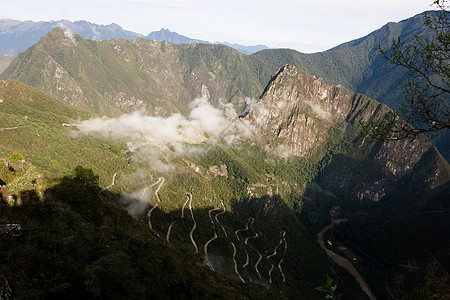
(307, 26)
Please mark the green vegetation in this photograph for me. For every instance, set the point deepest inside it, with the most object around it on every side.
(16, 157)
(76, 243)
(147, 74)
(39, 128)
(127, 73)
(329, 289)
(86, 245)
(293, 175)
(24, 178)
(427, 89)
(61, 215)
(419, 280)
(413, 229)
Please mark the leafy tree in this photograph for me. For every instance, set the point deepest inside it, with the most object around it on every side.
(80, 190)
(427, 90)
(329, 289)
(85, 176)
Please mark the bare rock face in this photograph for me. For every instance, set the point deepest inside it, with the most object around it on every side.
(300, 115)
(299, 109)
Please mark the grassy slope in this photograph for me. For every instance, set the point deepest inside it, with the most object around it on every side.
(117, 75)
(74, 243)
(203, 61)
(32, 124)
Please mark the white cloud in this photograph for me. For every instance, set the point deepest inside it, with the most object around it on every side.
(136, 202)
(152, 137)
(208, 117)
(70, 36)
(67, 32)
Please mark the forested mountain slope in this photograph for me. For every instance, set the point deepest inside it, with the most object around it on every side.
(236, 161)
(245, 195)
(166, 77)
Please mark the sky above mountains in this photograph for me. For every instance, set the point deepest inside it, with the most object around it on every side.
(306, 26)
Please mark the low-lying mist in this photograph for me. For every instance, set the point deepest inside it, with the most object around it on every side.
(151, 138)
(155, 141)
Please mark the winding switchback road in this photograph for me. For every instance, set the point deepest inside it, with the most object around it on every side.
(270, 274)
(221, 213)
(191, 234)
(169, 230)
(12, 128)
(184, 206)
(282, 234)
(257, 263)
(173, 222)
(235, 263)
(112, 183)
(205, 248)
(247, 261)
(281, 270)
(251, 237)
(236, 233)
(275, 252)
(282, 259)
(149, 214)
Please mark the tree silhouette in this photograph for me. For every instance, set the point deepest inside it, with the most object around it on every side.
(427, 91)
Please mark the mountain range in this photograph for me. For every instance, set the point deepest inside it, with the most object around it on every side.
(175, 38)
(17, 36)
(229, 164)
(357, 65)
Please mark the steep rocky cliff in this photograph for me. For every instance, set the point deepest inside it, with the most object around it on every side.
(296, 110)
(300, 115)
(122, 76)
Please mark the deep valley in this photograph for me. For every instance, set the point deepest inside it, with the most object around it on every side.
(134, 168)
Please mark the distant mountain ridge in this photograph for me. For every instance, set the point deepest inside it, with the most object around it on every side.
(17, 36)
(173, 37)
(305, 148)
(273, 176)
(5, 60)
(356, 65)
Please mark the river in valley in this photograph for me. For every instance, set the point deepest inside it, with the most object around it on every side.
(342, 261)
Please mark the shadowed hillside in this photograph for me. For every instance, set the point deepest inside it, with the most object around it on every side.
(237, 186)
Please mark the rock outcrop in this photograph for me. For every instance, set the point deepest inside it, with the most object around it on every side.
(300, 115)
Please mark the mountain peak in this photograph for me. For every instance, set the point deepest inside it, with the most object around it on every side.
(17, 36)
(166, 35)
(296, 107)
(59, 34)
(289, 75)
(288, 70)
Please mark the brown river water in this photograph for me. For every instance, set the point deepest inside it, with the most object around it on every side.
(342, 261)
